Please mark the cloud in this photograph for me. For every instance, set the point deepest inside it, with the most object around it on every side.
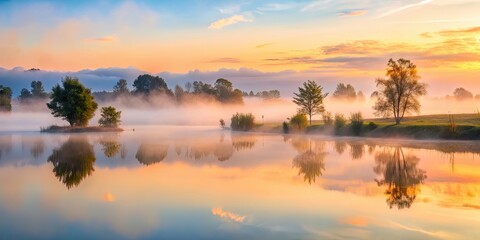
(460, 32)
(353, 13)
(277, 7)
(225, 60)
(230, 9)
(228, 216)
(355, 221)
(263, 45)
(219, 24)
(103, 39)
(315, 5)
(363, 47)
(404, 8)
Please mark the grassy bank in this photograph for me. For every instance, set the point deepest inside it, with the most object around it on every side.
(455, 127)
(68, 129)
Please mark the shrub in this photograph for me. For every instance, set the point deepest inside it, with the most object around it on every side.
(371, 126)
(356, 123)
(452, 127)
(222, 123)
(286, 129)
(327, 119)
(299, 120)
(110, 117)
(242, 122)
(340, 122)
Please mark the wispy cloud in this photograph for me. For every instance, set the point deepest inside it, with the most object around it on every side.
(263, 45)
(225, 60)
(219, 24)
(228, 216)
(404, 8)
(315, 5)
(103, 39)
(353, 13)
(231, 9)
(277, 7)
(464, 31)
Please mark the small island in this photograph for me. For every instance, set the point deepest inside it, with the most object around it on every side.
(75, 104)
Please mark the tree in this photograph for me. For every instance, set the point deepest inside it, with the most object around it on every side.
(25, 95)
(346, 92)
(74, 103)
(5, 99)
(147, 84)
(462, 94)
(179, 92)
(310, 99)
(188, 86)
(110, 117)
(37, 90)
(398, 93)
(121, 88)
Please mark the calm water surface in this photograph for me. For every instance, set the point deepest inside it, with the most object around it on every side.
(204, 183)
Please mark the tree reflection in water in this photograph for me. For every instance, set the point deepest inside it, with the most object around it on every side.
(111, 147)
(310, 161)
(400, 175)
(148, 154)
(356, 150)
(73, 161)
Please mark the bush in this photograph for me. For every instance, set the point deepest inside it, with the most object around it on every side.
(371, 126)
(356, 123)
(327, 119)
(340, 122)
(222, 123)
(242, 122)
(299, 120)
(110, 117)
(286, 129)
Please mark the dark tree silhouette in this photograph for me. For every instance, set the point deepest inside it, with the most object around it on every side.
(147, 84)
(5, 99)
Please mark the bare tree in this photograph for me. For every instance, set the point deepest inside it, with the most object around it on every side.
(398, 93)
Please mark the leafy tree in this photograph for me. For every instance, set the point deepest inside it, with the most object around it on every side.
(345, 92)
(203, 88)
(110, 117)
(73, 161)
(360, 96)
(299, 120)
(462, 94)
(147, 84)
(37, 90)
(398, 93)
(340, 122)
(73, 102)
(188, 86)
(310, 99)
(250, 94)
(25, 95)
(5, 99)
(222, 123)
(179, 92)
(121, 88)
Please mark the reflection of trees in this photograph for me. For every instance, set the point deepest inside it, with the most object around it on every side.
(243, 141)
(37, 148)
(5, 145)
(111, 147)
(356, 150)
(73, 161)
(310, 161)
(223, 151)
(151, 153)
(340, 147)
(401, 177)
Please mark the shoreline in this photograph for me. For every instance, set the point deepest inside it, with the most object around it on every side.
(68, 129)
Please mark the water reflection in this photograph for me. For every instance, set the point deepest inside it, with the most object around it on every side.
(150, 153)
(310, 161)
(73, 161)
(356, 150)
(111, 147)
(5, 145)
(400, 175)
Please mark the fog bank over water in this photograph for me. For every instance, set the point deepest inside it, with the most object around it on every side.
(208, 113)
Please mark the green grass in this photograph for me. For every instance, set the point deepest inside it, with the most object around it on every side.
(417, 127)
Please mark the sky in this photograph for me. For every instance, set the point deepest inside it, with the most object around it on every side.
(349, 41)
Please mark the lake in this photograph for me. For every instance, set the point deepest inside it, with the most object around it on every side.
(204, 183)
